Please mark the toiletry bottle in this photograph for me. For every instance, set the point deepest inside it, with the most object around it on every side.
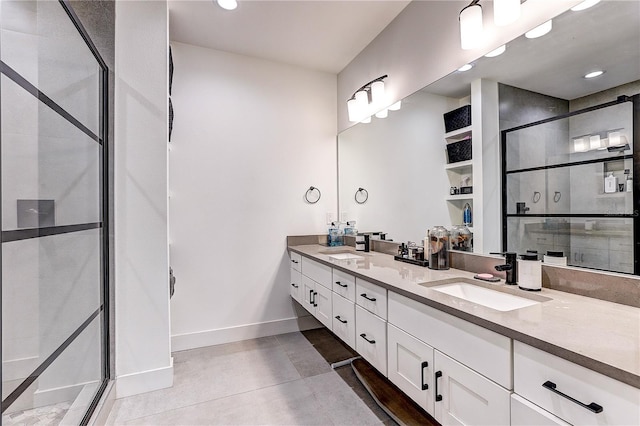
(629, 183)
(610, 184)
(466, 215)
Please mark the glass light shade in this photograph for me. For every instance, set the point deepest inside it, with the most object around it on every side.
(352, 110)
(594, 74)
(366, 120)
(228, 4)
(362, 105)
(615, 138)
(396, 106)
(377, 93)
(382, 114)
(594, 142)
(499, 51)
(470, 26)
(580, 144)
(540, 30)
(465, 67)
(585, 5)
(505, 12)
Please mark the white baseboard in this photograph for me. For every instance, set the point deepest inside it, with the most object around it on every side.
(18, 369)
(181, 342)
(44, 397)
(144, 381)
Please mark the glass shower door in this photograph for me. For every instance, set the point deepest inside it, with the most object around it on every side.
(54, 239)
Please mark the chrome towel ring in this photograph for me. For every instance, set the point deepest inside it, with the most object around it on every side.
(312, 190)
(364, 196)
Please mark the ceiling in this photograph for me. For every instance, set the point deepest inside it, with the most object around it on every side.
(321, 35)
(605, 37)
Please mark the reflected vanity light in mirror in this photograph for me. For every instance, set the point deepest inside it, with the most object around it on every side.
(594, 74)
(497, 52)
(505, 12)
(377, 94)
(396, 106)
(466, 67)
(585, 5)
(383, 113)
(471, 25)
(228, 4)
(540, 30)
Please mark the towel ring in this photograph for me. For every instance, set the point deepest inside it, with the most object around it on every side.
(536, 196)
(310, 190)
(361, 200)
(556, 196)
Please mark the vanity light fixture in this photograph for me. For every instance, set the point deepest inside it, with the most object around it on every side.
(368, 100)
(497, 52)
(383, 113)
(540, 30)
(585, 5)
(227, 4)
(471, 25)
(396, 106)
(505, 12)
(465, 67)
(594, 74)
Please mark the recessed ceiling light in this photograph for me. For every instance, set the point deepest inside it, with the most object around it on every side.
(499, 51)
(594, 74)
(539, 31)
(585, 5)
(466, 67)
(228, 4)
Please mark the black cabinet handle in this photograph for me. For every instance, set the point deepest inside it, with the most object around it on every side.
(294, 285)
(424, 365)
(311, 297)
(294, 261)
(438, 375)
(371, 299)
(341, 285)
(340, 319)
(593, 407)
(315, 293)
(364, 336)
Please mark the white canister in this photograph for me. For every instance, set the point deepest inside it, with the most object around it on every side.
(555, 258)
(530, 273)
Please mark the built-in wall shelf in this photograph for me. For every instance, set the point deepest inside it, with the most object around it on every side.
(460, 167)
(459, 134)
(460, 197)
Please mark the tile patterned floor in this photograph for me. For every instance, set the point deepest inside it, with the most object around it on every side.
(49, 415)
(277, 380)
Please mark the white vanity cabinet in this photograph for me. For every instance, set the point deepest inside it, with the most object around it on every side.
(410, 367)
(296, 286)
(344, 284)
(371, 297)
(525, 413)
(344, 319)
(571, 392)
(371, 338)
(317, 300)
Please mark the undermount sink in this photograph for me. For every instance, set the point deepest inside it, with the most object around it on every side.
(484, 296)
(344, 256)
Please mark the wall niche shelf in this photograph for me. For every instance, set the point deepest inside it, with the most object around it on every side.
(459, 134)
(460, 167)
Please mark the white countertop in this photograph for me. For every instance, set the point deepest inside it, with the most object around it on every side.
(602, 336)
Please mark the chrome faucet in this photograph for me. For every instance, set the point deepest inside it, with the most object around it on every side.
(510, 267)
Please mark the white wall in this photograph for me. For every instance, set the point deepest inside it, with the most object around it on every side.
(250, 137)
(422, 45)
(143, 352)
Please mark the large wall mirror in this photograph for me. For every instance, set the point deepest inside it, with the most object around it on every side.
(549, 192)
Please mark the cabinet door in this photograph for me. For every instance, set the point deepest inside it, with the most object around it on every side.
(464, 397)
(296, 286)
(296, 261)
(344, 320)
(410, 366)
(371, 339)
(308, 294)
(323, 306)
(525, 413)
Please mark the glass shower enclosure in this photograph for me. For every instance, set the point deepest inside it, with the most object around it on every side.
(54, 253)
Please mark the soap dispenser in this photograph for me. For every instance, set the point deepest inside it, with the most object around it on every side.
(610, 184)
(466, 215)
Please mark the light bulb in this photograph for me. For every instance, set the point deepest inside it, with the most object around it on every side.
(585, 5)
(470, 26)
(499, 51)
(465, 67)
(396, 106)
(594, 74)
(377, 93)
(228, 4)
(362, 105)
(505, 12)
(352, 110)
(594, 142)
(540, 30)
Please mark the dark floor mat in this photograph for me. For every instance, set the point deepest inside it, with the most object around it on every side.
(328, 345)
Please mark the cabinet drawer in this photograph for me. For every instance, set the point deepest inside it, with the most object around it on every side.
(344, 284)
(371, 339)
(476, 347)
(372, 297)
(296, 285)
(533, 368)
(296, 260)
(344, 320)
(524, 413)
(317, 271)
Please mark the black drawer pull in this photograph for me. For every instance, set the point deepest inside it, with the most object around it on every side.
(341, 285)
(340, 319)
(364, 336)
(315, 302)
(371, 299)
(294, 285)
(311, 297)
(424, 365)
(593, 407)
(438, 375)
(294, 261)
